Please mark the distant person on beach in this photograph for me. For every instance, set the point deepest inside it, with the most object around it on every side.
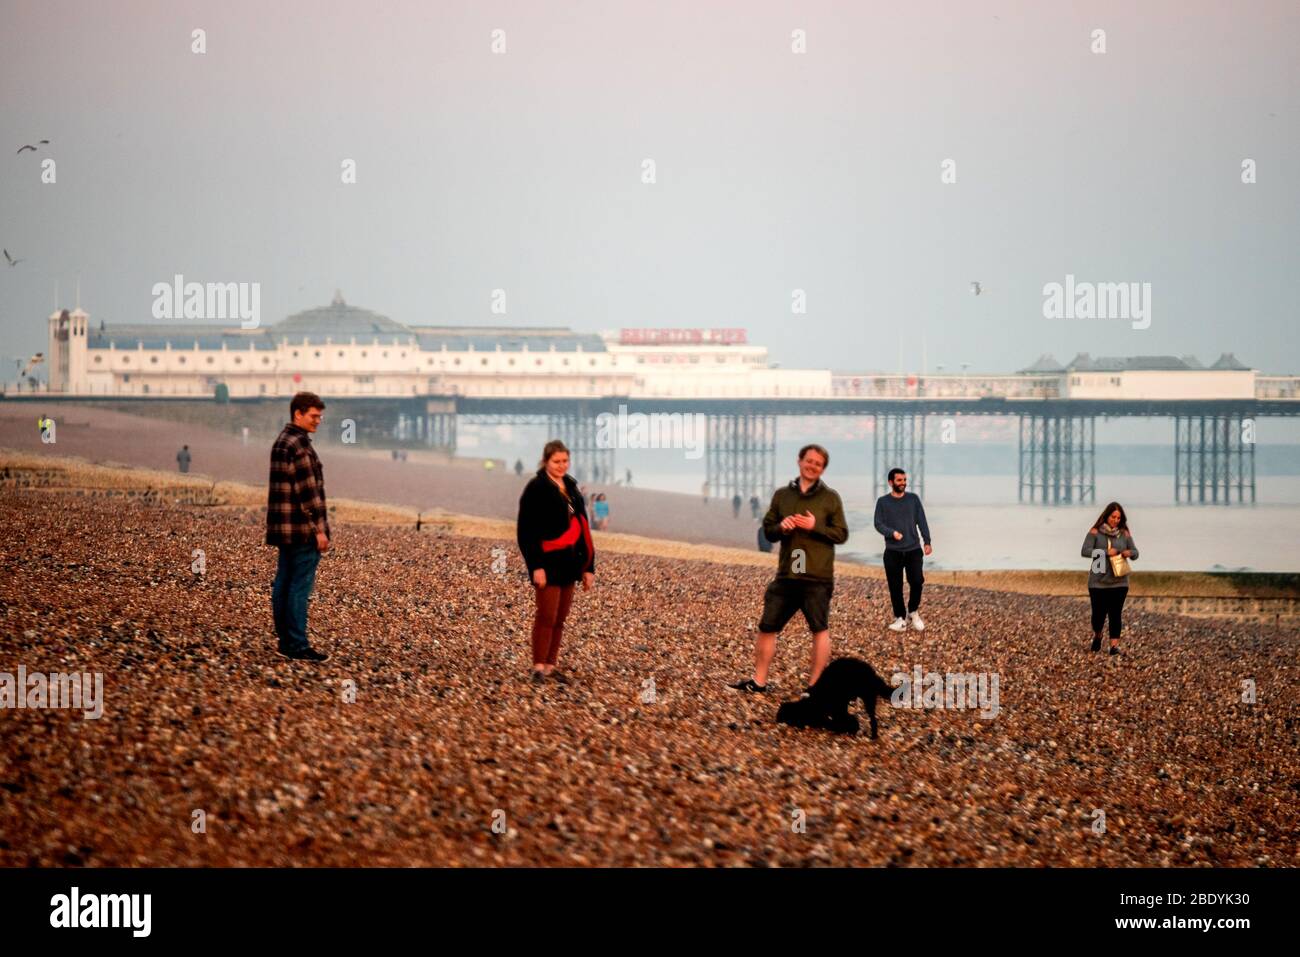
(297, 523)
(183, 458)
(555, 540)
(704, 491)
(735, 505)
(519, 468)
(754, 506)
(1107, 539)
(807, 518)
(601, 508)
(629, 476)
(899, 514)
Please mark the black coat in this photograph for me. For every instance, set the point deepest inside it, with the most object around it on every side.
(544, 515)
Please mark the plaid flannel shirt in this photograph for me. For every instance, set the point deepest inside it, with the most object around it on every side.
(295, 502)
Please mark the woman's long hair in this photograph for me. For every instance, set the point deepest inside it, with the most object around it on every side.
(1104, 518)
(549, 449)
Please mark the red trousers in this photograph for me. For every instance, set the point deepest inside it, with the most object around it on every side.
(553, 603)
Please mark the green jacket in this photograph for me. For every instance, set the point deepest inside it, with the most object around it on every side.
(817, 543)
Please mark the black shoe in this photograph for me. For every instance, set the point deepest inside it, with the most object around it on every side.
(303, 654)
(538, 676)
(559, 676)
(749, 685)
(1096, 644)
(1114, 650)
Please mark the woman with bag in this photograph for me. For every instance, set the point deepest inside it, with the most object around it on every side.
(555, 540)
(1111, 547)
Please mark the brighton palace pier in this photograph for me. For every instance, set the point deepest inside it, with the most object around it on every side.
(342, 350)
(413, 383)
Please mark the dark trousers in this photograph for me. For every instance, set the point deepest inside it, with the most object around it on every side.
(553, 603)
(895, 564)
(295, 574)
(1107, 601)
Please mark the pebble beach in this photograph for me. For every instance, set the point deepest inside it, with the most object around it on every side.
(420, 742)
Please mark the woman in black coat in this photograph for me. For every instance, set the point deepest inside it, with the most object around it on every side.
(554, 538)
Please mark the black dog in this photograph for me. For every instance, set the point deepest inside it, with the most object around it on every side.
(827, 705)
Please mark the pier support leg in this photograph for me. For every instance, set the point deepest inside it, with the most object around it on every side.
(440, 424)
(740, 456)
(1213, 454)
(589, 460)
(1058, 461)
(898, 441)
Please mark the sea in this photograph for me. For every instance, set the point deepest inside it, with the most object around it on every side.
(977, 522)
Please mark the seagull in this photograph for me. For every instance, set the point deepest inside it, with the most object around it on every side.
(975, 288)
(10, 259)
(28, 146)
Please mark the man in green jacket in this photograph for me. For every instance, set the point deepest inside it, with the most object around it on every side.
(807, 518)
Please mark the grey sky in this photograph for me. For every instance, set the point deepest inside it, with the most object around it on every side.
(776, 171)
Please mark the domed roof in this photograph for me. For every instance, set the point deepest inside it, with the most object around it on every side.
(339, 320)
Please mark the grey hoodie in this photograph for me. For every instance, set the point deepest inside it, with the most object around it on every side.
(1094, 546)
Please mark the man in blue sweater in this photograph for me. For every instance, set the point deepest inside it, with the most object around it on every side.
(899, 514)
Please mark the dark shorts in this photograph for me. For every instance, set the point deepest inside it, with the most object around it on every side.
(785, 596)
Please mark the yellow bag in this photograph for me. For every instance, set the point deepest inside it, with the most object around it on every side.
(1119, 566)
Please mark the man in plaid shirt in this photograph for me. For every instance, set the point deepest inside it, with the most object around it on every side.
(297, 522)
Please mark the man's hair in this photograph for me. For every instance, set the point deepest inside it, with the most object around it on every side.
(826, 456)
(304, 401)
(893, 472)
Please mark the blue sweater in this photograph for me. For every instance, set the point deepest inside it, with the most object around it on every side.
(903, 514)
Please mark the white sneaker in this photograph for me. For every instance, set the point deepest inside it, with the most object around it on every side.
(917, 623)
(900, 624)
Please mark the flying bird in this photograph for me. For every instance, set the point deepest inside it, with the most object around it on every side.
(10, 259)
(28, 146)
(975, 288)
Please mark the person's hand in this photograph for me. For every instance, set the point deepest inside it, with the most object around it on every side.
(322, 542)
(898, 536)
(928, 549)
(788, 524)
(1092, 531)
(805, 521)
(539, 578)
(587, 580)
(1110, 550)
(1127, 552)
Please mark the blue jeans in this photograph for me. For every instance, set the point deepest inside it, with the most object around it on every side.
(295, 574)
